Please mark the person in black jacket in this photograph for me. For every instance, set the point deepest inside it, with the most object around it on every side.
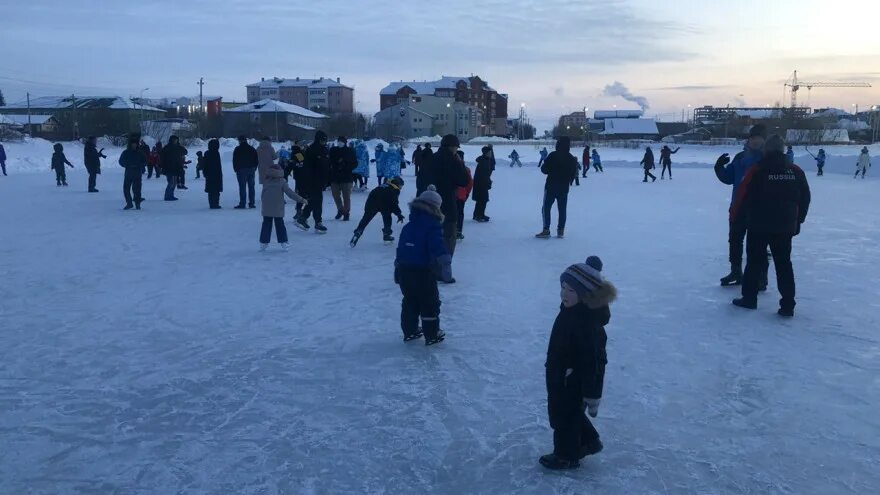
(134, 161)
(572, 368)
(343, 161)
(92, 160)
(666, 160)
(58, 162)
(648, 164)
(244, 163)
(315, 177)
(172, 165)
(382, 200)
(447, 173)
(560, 168)
(424, 173)
(295, 167)
(773, 198)
(417, 159)
(213, 172)
(482, 184)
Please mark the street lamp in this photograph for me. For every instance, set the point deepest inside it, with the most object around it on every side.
(141, 103)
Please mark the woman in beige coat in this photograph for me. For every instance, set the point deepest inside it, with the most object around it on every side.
(272, 198)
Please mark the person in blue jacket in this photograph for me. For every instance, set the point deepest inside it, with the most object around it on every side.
(789, 153)
(544, 154)
(820, 161)
(597, 161)
(362, 171)
(732, 173)
(391, 162)
(419, 252)
(377, 159)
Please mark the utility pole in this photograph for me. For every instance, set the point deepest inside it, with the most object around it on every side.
(201, 104)
(29, 111)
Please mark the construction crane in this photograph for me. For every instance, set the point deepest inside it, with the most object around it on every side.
(795, 85)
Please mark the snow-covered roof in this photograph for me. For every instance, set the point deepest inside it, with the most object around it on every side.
(768, 113)
(616, 114)
(425, 87)
(269, 105)
(830, 112)
(22, 119)
(630, 126)
(298, 82)
(82, 102)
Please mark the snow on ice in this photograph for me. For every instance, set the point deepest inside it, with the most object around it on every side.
(159, 352)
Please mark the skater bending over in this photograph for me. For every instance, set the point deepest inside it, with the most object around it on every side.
(420, 253)
(382, 200)
(574, 370)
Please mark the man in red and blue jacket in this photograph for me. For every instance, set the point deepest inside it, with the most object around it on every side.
(732, 173)
(772, 201)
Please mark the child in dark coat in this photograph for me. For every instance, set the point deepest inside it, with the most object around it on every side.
(382, 200)
(420, 251)
(58, 162)
(574, 369)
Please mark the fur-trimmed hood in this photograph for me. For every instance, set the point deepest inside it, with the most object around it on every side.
(603, 296)
(425, 207)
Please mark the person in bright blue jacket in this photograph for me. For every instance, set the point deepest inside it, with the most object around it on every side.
(543, 154)
(732, 173)
(377, 159)
(420, 251)
(597, 161)
(362, 171)
(789, 153)
(391, 162)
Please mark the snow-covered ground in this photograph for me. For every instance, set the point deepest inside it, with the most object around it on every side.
(157, 351)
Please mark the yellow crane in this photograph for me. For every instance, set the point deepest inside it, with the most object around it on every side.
(796, 85)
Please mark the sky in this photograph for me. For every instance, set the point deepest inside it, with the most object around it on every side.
(555, 56)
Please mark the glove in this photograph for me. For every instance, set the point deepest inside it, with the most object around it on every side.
(400, 219)
(592, 406)
(722, 160)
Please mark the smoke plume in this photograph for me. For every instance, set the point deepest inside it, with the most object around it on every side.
(617, 88)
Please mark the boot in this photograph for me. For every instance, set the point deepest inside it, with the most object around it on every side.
(560, 233)
(338, 215)
(387, 238)
(734, 277)
(431, 329)
(459, 236)
(355, 238)
(785, 312)
(554, 462)
(320, 229)
(746, 303)
(591, 448)
(346, 217)
(544, 234)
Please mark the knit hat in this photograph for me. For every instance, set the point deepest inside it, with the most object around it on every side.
(595, 262)
(449, 140)
(583, 278)
(397, 181)
(758, 130)
(431, 197)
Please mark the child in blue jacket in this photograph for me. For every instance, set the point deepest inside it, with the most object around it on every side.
(420, 250)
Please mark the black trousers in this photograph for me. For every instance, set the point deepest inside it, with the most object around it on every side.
(576, 179)
(460, 219)
(735, 238)
(571, 433)
(450, 232)
(131, 188)
(181, 179)
(757, 265)
(150, 172)
(421, 299)
(598, 167)
(93, 180)
(560, 197)
(479, 209)
(666, 166)
(370, 212)
(649, 174)
(315, 207)
(266, 230)
(214, 199)
(170, 185)
(61, 176)
(586, 169)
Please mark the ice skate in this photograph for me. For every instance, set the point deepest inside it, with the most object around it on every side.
(554, 462)
(544, 234)
(355, 238)
(320, 229)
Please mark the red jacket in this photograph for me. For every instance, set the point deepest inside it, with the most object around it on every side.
(463, 192)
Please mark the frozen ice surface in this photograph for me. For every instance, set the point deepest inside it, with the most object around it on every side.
(158, 351)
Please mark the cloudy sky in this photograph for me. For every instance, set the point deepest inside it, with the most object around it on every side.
(555, 56)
